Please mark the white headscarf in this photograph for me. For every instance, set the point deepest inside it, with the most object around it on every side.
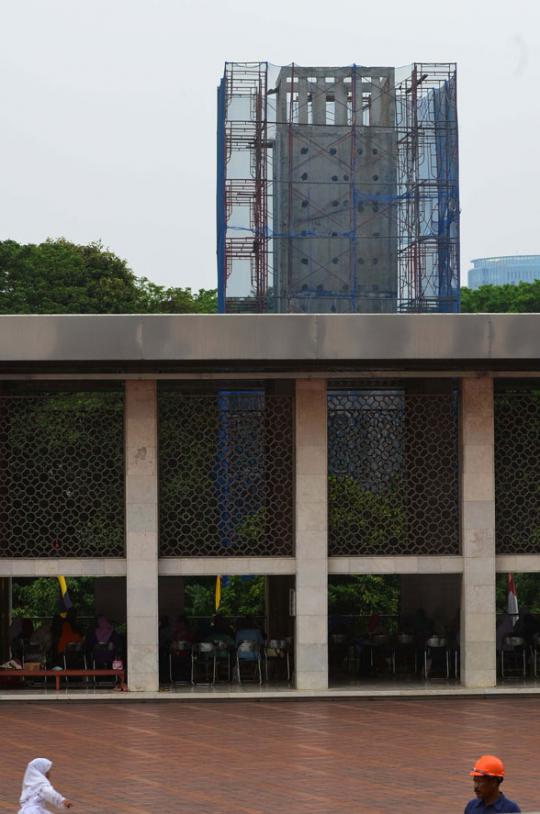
(34, 778)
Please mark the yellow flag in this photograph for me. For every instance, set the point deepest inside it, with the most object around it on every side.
(65, 600)
(218, 593)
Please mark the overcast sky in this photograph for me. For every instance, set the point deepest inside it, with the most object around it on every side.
(107, 112)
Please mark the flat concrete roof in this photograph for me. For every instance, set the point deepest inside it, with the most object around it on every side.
(277, 342)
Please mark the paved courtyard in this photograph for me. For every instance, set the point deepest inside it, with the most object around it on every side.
(291, 757)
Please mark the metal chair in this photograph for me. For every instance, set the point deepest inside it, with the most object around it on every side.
(222, 654)
(457, 662)
(435, 647)
(103, 655)
(404, 653)
(203, 654)
(516, 652)
(338, 651)
(32, 652)
(75, 658)
(277, 650)
(180, 655)
(351, 661)
(381, 652)
(248, 652)
(535, 652)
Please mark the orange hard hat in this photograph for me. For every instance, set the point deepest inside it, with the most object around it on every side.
(488, 766)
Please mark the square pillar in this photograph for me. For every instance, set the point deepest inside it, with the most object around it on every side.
(311, 529)
(142, 535)
(478, 619)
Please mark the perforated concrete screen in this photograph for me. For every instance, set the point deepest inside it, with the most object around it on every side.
(393, 470)
(517, 467)
(226, 473)
(62, 472)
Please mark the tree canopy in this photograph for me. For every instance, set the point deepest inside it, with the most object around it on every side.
(523, 298)
(60, 277)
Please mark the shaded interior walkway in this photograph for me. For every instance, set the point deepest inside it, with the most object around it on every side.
(244, 757)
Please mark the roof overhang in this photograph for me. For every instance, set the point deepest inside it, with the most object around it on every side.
(260, 343)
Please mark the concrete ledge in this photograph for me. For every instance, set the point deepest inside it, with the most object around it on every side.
(173, 566)
(202, 566)
(395, 565)
(245, 566)
(68, 567)
(518, 563)
(195, 338)
(255, 693)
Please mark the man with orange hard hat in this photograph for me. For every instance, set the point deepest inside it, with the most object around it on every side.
(488, 774)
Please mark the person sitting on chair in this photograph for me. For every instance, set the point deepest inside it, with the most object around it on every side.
(102, 638)
(69, 632)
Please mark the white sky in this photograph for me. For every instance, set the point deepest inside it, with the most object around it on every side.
(107, 112)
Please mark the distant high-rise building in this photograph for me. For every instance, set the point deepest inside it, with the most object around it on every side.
(338, 189)
(510, 269)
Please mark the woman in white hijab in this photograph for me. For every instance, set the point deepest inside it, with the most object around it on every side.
(37, 789)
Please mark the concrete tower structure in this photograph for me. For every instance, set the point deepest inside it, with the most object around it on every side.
(337, 189)
(334, 179)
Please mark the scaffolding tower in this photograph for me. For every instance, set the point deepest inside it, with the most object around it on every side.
(243, 184)
(428, 191)
(338, 189)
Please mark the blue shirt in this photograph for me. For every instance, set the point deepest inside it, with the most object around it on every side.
(501, 806)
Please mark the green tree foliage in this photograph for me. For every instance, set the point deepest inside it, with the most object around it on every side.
(240, 596)
(523, 298)
(38, 598)
(60, 277)
(363, 594)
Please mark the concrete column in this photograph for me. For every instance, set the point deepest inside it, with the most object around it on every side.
(282, 108)
(302, 100)
(478, 620)
(311, 536)
(382, 101)
(340, 95)
(360, 88)
(142, 535)
(319, 101)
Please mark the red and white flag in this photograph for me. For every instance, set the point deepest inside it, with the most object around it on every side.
(512, 606)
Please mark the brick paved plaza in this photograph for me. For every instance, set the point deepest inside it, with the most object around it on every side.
(320, 757)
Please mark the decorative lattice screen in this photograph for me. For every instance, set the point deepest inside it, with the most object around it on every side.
(226, 473)
(517, 468)
(62, 474)
(393, 472)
